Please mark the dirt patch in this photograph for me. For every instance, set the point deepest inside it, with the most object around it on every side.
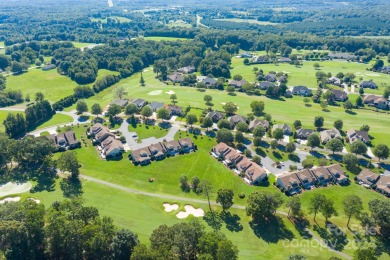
(11, 188)
(35, 200)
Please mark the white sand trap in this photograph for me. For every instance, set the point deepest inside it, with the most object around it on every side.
(170, 92)
(170, 207)
(15, 199)
(223, 103)
(14, 188)
(155, 93)
(145, 70)
(372, 75)
(190, 210)
(35, 200)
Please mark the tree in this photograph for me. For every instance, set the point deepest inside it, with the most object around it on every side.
(120, 92)
(350, 161)
(378, 64)
(226, 250)
(68, 162)
(225, 198)
(347, 105)
(258, 131)
(191, 119)
(381, 151)
(237, 77)
(163, 114)
(386, 92)
(248, 87)
(315, 204)
(225, 136)
(173, 98)
(230, 108)
(359, 101)
(306, 100)
(365, 128)
(318, 122)
(123, 244)
(358, 147)
(296, 257)
(81, 107)
(294, 206)
(353, 206)
(257, 107)
(256, 159)
(313, 140)
(184, 182)
(230, 90)
(316, 65)
(278, 134)
(335, 145)
(242, 127)
(338, 124)
(195, 181)
(367, 253)
(131, 109)
(18, 67)
(96, 109)
(327, 209)
(142, 80)
(307, 164)
(207, 122)
(39, 97)
(15, 125)
(239, 138)
(257, 141)
(274, 144)
(290, 147)
(223, 123)
(297, 124)
(246, 61)
(146, 111)
(206, 188)
(263, 205)
(208, 99)
(113, 110)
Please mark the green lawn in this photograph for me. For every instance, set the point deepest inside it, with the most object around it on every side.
(252, 21)
(82, 44)
(56, 120)
(145, 131)
(178, 23)
(3, 116)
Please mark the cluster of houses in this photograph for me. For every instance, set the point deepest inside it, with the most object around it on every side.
(107, 144)
(251, 172)
(161, 150)
(376, 101)
(381, 183)
(293, 182)
(65, 141)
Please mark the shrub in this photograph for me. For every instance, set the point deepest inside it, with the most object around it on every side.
(241, 195)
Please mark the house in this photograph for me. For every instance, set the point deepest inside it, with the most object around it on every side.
(187, 69)
(246, 55)
(244, 164)
(172, 147)
(99, 132)
(302, 91)
(155, 106)
(338, 173)
(176, 77)
(49, 67)
(270, 77)
(368, 84)
(95, 129)
(307, 178)
(339, 95)
(209, 81)
(141, 156)
(289, 182)
(288, 94)
(255, 174)
(174, 110)
(139, 102)
(303, 133)
(323, 176)
(334, 81)
(261, 59)
(233, 157)
(157, 151)
(367, 177)
(221, 150)
(120, 102)
(111, 148)
(234, 120)
(264, 85)
(383, 185)
(385, 69)
(326, 135)
(65, 141)
(376, 101)
(283, 79)
(354, 135)
(187, 145)
(256, 122)
(215, 115)
(287, 130)
(285, 60)
(237, 83)
(341, 56)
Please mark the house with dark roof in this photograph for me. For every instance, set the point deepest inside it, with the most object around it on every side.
(288, 94)
(287, 130)
(256, 122)
(303, 133)
(289, 183)
(385, 69)
(334, 81)
(341, 56)
(323, 176)
(354, 135)
(302, 91)
(187, 69)
(368, 84)
(65, 141)
(234, 120)
(141, 156)
(237, 83)
(176, 77)
(215, 115)
(367, 177)
(383, 185)
(264, 85)
(246, 55)
(338, 174)
(209, 82)
(173, 147)
(120, 102)
(326, 135)
(284, 60)
(174, 110)
(307, 178)
(270, 77)
(139, 102)
(339, 95)
(186, 144)
(155, 106)
(376, 101)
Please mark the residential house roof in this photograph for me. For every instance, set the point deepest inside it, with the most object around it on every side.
(354, 135)
(322, 173)
(172, 145)
(304, 133)
(120, 102)
(139, 102)
(49, 67)
(244, 164)
(186, 143)
(157, 149)
(256, 122)
(368, 84)
(337, 172)
(285, 127)
(334, 80)
(284, 59)
(176, 77)
(233, 156)
(103, 134)
(339, 95)
(306, 175)
(187, 69)
(326, 135)
(64, 139)
(110, 144)
(156, 105)
(270, 77)
(367, 176)
(236, 119)
(141, 155)
(237, 83)
(254, 172)
(265, 84)
(96, 128)
(261, 59)
(289, 180)
(301, 90)
(215, 115)
(384, 183)
(209, 81)
(174, 109)
(222, 148)
(341, 55)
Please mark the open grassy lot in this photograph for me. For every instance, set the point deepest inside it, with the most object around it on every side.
(81, 44)
(56, 120)
(152, 38)
(145, 131)
(253, 21)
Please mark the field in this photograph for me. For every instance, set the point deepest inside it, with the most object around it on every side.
(118, 18)
(56, 120)
(237, 20)
(53, 85)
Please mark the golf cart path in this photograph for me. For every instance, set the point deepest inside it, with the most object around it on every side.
(177, 198)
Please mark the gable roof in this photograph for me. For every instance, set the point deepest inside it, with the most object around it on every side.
(368, 84)
(254, 172)
(339, 94)
(326, 135)
(322, 172)
(384, 183)
(68, 137)
(237, 83)
(138, 102)
(156, 105)
(284, 127)
(176, 77)
(215, 115)
(289, 180)
(368, 176)
(306, 175)
(256, 122)
(236, 119)
(120, 102)
(265, 84)
(354, 135)
(302, 132)
(222, 148)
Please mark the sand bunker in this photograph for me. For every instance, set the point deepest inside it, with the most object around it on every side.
(155, 93)
(190, 210)
(170, 207)
(35, 200)
(170, 92)
(145, 70)
(14, 188)
(223, 103)
(6, 200)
